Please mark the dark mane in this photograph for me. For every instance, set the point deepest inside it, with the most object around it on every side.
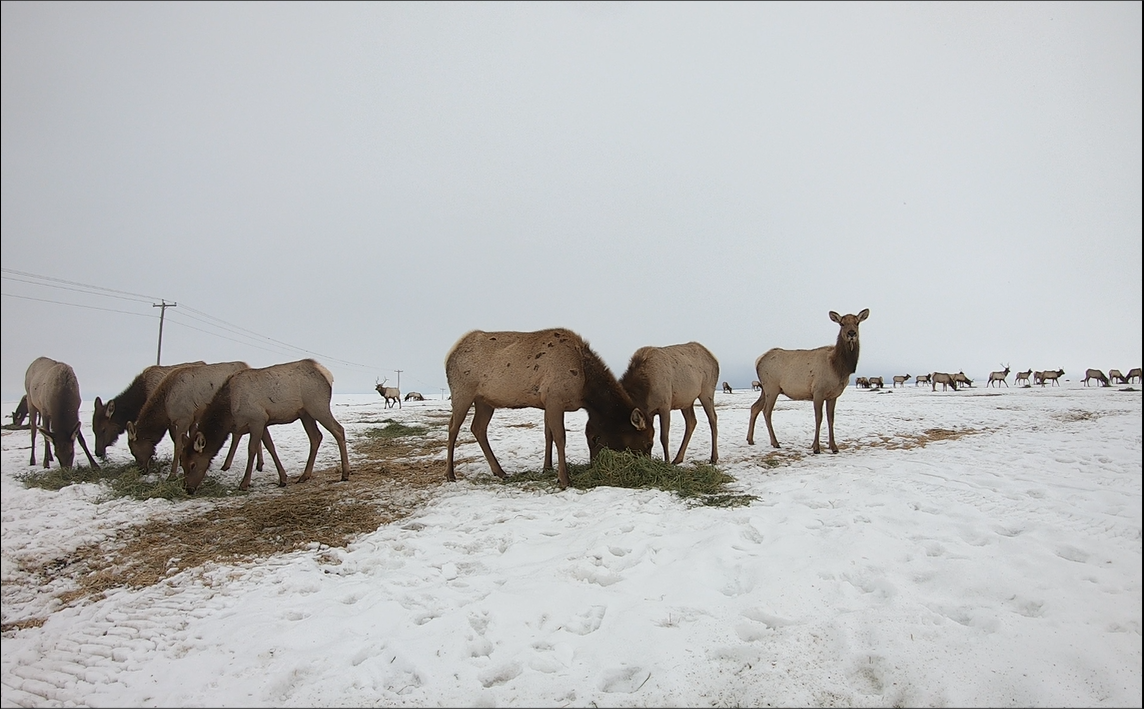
(217, 420)
(129, 402)
(635, 381)
(603, 395)
(66, 414)
(844, 359)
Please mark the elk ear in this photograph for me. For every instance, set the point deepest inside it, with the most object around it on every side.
(835, 317)
(110, 408)
(638, 420)
(864, 314)
(131, 435)
(200, 442)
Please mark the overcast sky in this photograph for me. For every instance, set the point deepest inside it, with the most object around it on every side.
(367, 182)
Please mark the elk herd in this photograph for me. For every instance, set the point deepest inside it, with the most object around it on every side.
(200, 405)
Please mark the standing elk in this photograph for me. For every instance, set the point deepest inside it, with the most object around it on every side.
(1097, 375)
(727, 388)
(944, 379)
(960, 378)
(253, 399)
(1133, 373)
(392, 395)
(1051, 376)
(414, 396)
(660, 379)
(901, 379)
(921, 379)
(1022, 377)
(53, 409)
(1116, 376)
(173, 406)
(755, 386)
(109, 420)
(554, 370)
(20, 413)
(820, 375)
(876, 382)
(998, 377)
(862, 382)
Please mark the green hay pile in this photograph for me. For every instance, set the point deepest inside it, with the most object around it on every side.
(393, 429)
(698, 483)
(126, 480)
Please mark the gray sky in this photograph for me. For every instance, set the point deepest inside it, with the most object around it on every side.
(368, 182)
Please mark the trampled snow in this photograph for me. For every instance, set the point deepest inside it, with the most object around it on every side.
(999, 565)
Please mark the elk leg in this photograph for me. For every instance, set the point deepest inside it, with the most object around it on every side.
(233, 447)
(455, 422)
(547, 447)
(339, 434)
(664, 431)
(689, 428)
(83, 443)
(817, 424)
(712, 418)
(768, 410)
(480, 428)
(315, 437)
(33, 414)
(177, 438)
(554, 422)
(830, 423)
(756, 408)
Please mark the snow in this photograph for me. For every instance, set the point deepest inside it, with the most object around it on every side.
(998, 567)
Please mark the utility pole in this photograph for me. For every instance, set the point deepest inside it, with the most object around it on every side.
(164, 305)
(398, 378)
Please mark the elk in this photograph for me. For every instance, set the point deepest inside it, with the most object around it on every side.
(660, 379)
(727, 388)
(173, 406)
(960, 378)
(110, 420)
(1051, 376)
(921, 379)
(414, 396)
(1022, 377)
(20, 413)
(998, 377)
(1114, 375)
(901, 379)
(1097, 375)
(755, 386)
(820, 375)
(52, 392)
(253, 399)
(1133, 373)
(944, 379)
(554, 370)
(862, 382)
(392, 395)
(876, 382)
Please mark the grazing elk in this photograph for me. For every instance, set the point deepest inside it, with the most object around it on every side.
(110, 419)
(1116, 376)
(921, 379)
(944, 379)
(253, 399)
(1051, 376)
(1022, 377)
(755, 386)
(21, 412)
(1133, 373)
(1097, 375)
(173, 406)
(392, 395)
(862, 382)
(998, 377)
(876, 382)
(414, 396)
(960, 378)
(901, 379)
(554, 370)
(727, 388)
(820, 375)
(53, 397)
(660, 379)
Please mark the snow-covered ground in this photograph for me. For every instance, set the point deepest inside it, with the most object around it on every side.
(1001, 567)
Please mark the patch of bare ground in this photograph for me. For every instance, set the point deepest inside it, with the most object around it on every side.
(921, 440)
(390, 477)
(1077, 415)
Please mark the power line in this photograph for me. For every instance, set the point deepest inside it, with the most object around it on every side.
(52, 279)
(77, 305)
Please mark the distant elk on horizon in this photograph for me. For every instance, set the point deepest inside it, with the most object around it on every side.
(998, 377)
(901, 379)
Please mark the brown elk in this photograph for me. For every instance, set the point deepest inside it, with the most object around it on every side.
(554, 370)
(414, 396)
(862, 382)
(820, 375)
(110, 420)
(20, 413)
(53, 410)
(173, 406)
(961, 379)
(727, 388)
(1133, 373)
(998, 377)
(1097, 375)
(660, 379)
(1022, 377)
(876, 382)
(755, 386)
(1116, 376)
(392, 395)
(253, 399)
(943, 378)
(901, 379)
(1051, 376)
(921, 379)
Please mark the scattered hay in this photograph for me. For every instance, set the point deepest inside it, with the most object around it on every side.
(1077, 415)
(700, 483)
(126, 480)
(921, 440)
